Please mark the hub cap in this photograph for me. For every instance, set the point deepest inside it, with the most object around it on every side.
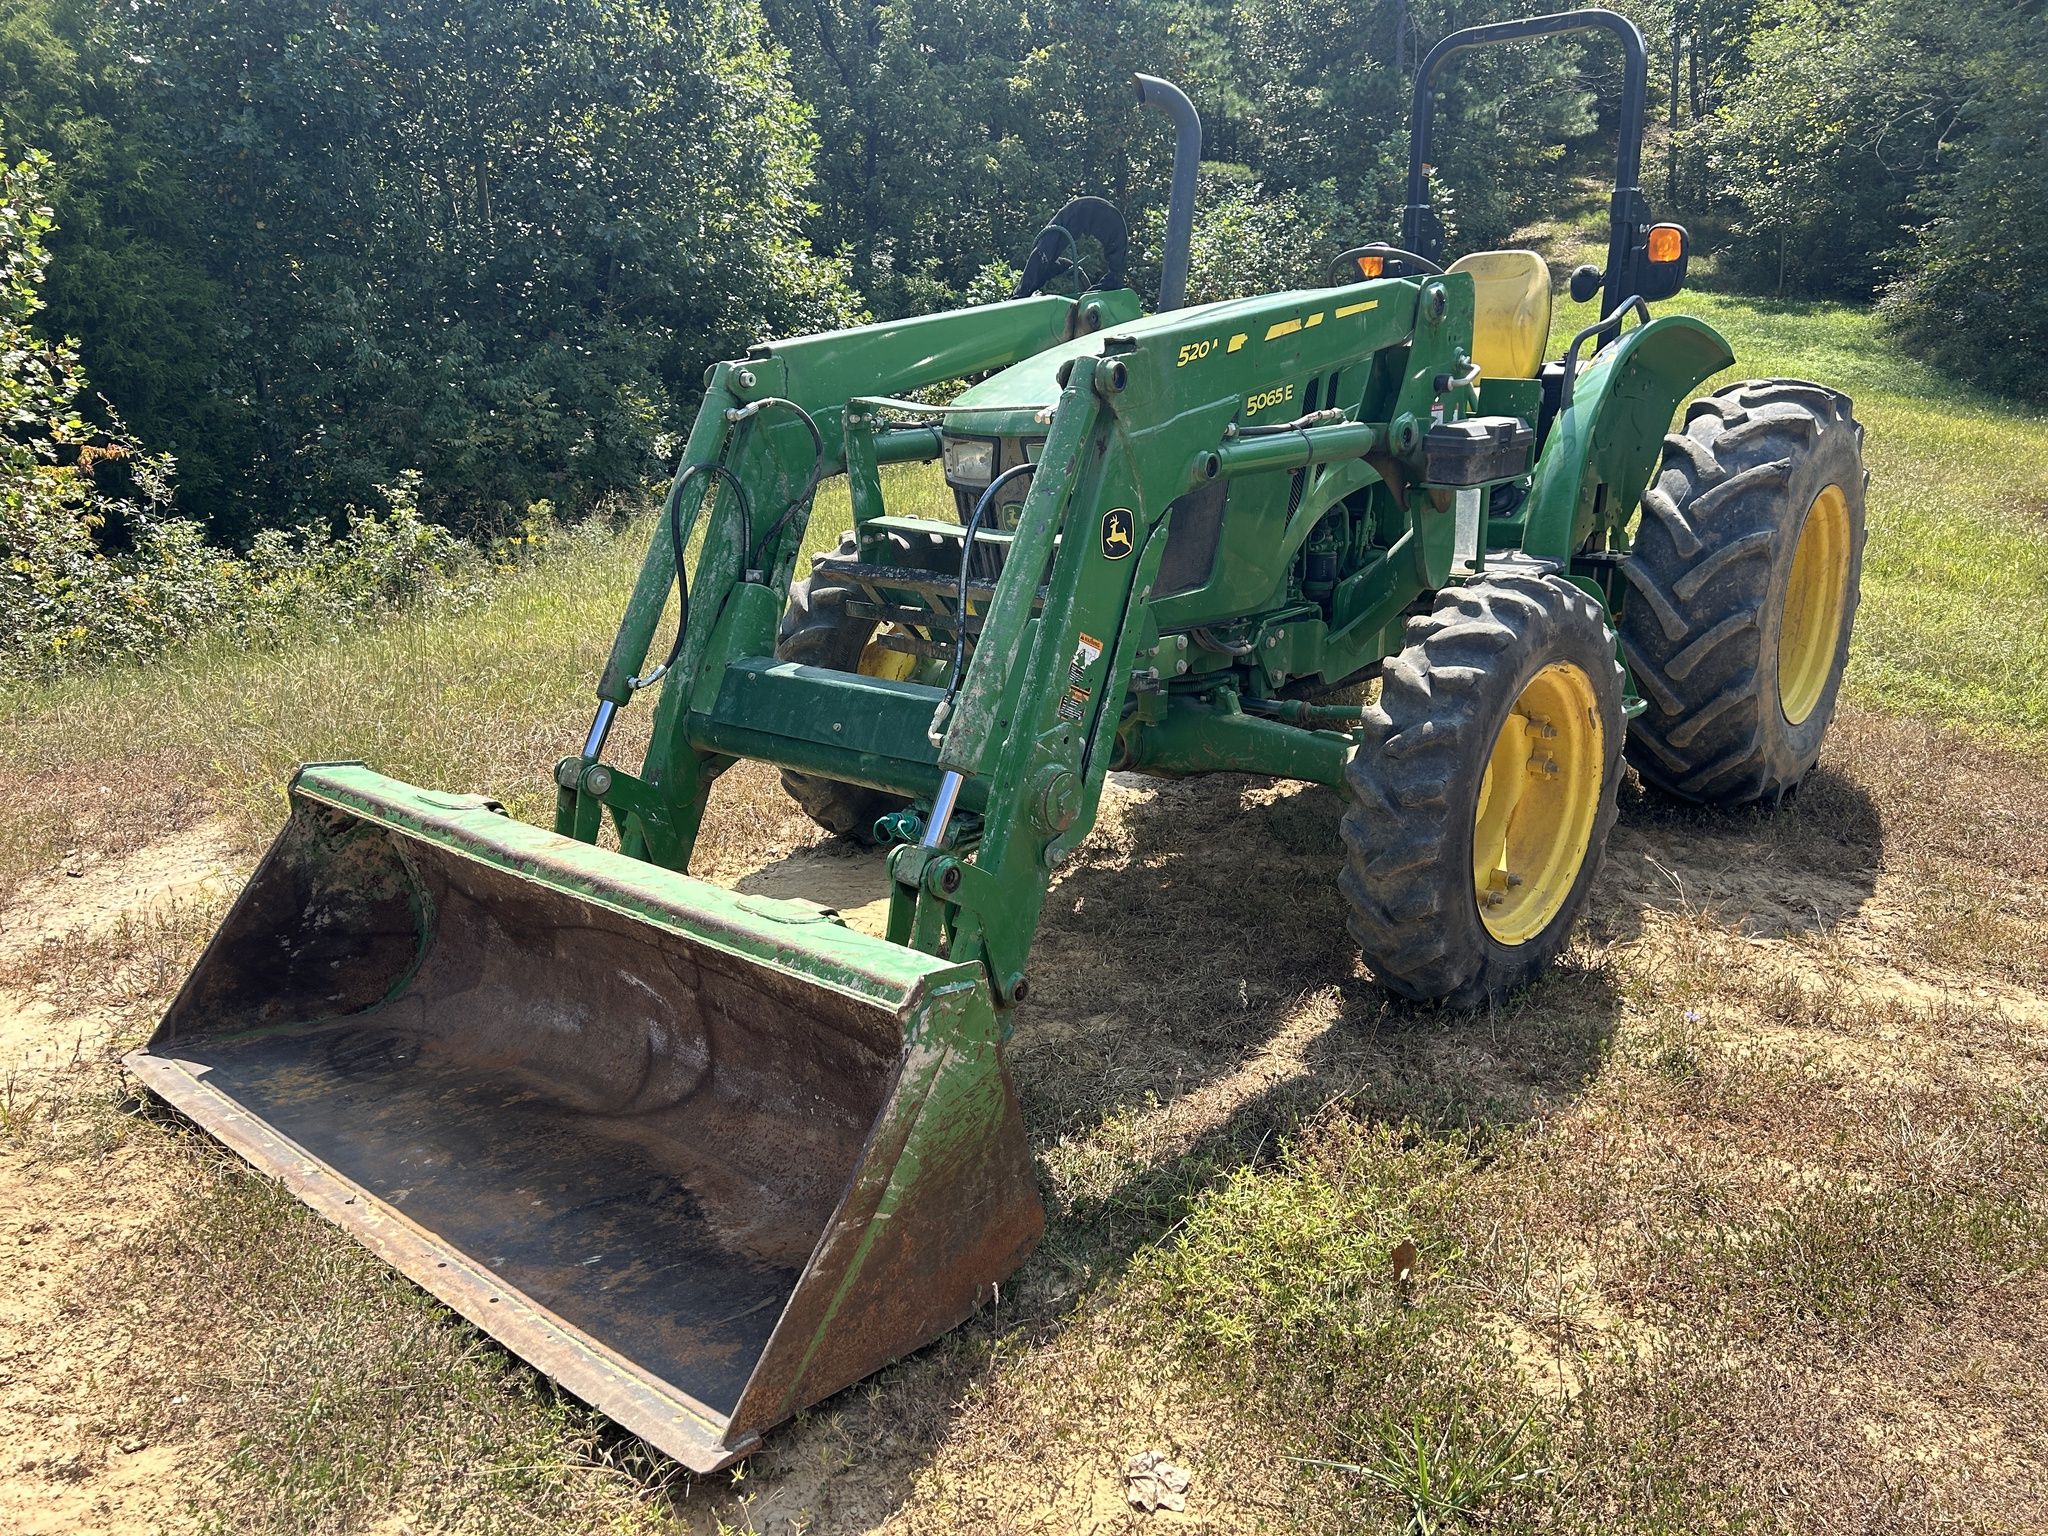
(1815, 595)
(1537, 803)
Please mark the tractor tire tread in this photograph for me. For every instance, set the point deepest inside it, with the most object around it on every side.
(816, 631)
(1407, 876)
(1704, 587)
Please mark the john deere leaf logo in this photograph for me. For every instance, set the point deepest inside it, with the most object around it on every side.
(1116, 533)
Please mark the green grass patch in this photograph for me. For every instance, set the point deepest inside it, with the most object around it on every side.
(1334, 1292)
(1954, 623)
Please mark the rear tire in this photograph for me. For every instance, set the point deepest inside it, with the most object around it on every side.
(817, 631)
(1742, 591)
(1483, 789)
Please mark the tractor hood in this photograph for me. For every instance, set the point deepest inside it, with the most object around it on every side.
(1007, 404)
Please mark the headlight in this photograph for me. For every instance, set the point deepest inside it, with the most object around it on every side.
(970, 462)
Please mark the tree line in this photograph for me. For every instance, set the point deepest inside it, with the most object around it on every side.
(304, 247)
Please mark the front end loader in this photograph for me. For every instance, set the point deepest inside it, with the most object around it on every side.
(706, 1158)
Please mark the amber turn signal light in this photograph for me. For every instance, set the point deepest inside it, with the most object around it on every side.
(1371, 266)
(1667, 243)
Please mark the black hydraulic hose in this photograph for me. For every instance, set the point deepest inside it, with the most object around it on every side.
(803, 497)
(1207, 640)
(966, 557)
(1180, 207)
(714, 472)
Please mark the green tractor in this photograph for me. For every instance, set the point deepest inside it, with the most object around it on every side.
(707, 1158)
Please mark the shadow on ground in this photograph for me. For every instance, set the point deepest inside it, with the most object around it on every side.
(1197, 997)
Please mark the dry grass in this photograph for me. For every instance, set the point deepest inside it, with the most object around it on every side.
(1738, 1222)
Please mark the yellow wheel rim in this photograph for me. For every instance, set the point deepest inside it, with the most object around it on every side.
(879, 660)
(1537, 803)
(1815, 594)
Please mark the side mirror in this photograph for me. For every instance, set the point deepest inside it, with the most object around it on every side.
(1661, 261)
(1585, 282)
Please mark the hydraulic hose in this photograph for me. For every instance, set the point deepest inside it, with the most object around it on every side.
(715, 473)
(803, 497)
(981, 507)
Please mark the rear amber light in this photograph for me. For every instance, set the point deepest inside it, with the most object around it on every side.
(1667, 243)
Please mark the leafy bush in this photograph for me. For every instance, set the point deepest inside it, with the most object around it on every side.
(1249, 239)
(1972, 296)
(92, 566)
(1813, 153)
(316, 245)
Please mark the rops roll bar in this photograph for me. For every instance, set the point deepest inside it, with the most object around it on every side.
(1628, 211)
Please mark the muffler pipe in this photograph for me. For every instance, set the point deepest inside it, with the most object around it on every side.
(1180, 208)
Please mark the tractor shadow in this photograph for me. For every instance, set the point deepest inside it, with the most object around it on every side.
(1200, 963)
(1197, 975)
(1197, 999)
(1804, 866)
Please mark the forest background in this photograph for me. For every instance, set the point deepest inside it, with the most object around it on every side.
(308, 306)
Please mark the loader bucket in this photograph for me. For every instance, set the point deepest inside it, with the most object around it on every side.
(703, 1158)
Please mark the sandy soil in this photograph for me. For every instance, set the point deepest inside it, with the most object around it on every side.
(65, 1463)
(69, 1463)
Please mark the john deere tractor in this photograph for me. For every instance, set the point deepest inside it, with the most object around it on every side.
(707, 1158)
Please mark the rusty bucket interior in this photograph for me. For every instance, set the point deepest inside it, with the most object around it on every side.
(635, 1126)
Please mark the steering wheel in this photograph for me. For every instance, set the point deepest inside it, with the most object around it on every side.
(1056, 251)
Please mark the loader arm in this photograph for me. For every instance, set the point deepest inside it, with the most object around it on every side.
(1143, 413)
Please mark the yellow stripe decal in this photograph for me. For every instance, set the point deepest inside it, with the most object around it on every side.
(1358, 309)
(1314, 319)
(1235, 342)
(1282, 328)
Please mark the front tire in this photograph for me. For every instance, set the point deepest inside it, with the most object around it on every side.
(1483, 789)
(1742, 591)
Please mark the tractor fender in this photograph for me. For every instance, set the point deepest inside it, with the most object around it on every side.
(1610, 435)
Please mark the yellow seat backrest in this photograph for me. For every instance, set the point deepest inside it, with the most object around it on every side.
(1511, 311)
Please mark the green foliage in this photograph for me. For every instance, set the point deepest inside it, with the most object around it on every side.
(499, 244)
(67, 600)
(1972, 290)
(1249, 240)
(1867, 143)
(127, 275)
(953, 129)
(1819, 145)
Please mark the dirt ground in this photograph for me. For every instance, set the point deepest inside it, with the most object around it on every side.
(1878, 938)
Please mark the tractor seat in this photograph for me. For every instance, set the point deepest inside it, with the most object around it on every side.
(1511, 311)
